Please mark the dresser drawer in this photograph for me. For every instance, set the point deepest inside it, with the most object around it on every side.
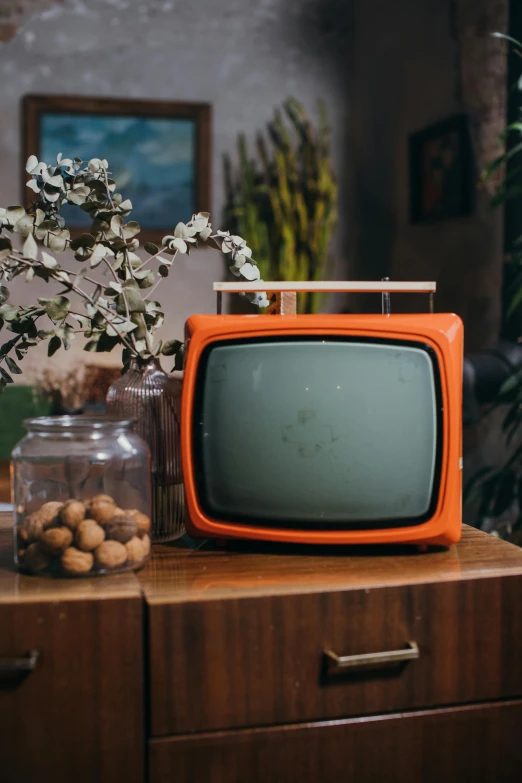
(480, 743)
(260, 661)
(78, 716)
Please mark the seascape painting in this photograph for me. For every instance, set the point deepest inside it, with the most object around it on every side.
(152, 159)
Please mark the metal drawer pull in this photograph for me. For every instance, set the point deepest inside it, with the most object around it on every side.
(342, 663)
(19, 665)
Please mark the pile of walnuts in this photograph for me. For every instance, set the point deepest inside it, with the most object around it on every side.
(79, 537)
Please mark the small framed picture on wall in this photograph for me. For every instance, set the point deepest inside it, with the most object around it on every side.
(158, 152)
(441, 171)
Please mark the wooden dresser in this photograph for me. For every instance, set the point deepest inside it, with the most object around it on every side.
(209, 666)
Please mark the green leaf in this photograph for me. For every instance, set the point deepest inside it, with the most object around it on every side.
(54, 345)
(171, 347)
(8, 312)
(4, 294)
(151, 248)
(30, 248)
(56, 308)
(13, 366)
(5, 375)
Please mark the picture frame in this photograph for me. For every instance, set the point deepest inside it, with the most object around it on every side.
(441, 171)
(159, 152)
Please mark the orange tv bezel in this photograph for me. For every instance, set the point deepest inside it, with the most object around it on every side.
(442, 332)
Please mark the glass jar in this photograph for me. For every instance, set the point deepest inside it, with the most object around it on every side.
(81, 496)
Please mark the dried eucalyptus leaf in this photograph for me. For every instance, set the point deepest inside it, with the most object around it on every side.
(13, 366)
(205, 233)
(131, 229)
(30, 248)
(84, 322)
(132, 294)
(6, 347)
(147, 281)
(4, 294)
(29, 274)
(57, 240)
(54, 345)
(5, 376)
(8, 312)
(84, 240)
(163, 270)
(24, 226)
(14, 214)
(32, 163)
(151, 248)
(171, 347)
(126, 205)
(48, 261)
(56, 308)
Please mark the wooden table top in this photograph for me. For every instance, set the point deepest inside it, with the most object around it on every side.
(177, 574)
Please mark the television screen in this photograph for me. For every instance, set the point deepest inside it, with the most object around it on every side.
(318, 433)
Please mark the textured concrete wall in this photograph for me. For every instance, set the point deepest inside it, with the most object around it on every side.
(242, 56)
(385, 70)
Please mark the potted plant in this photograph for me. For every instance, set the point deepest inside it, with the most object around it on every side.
(114, 302)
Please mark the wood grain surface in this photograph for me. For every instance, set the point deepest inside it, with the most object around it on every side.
(477, 744)
(236, 636)
(175, 575)
(79, 716)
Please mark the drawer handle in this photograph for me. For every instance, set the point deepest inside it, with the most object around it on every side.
(19, 665)
(354, 663)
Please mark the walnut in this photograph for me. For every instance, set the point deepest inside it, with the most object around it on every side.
(75, 562)
(135, 550)
(50, 512)
(56, 540)
(101, 508)
(121, 527)
(89, 535)
(142, 519)
(31, 527)
(35, 560)
(72, 513)
(110, 554)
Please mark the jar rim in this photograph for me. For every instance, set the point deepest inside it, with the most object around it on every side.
(81, 422)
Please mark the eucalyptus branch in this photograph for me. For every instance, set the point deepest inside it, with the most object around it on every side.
(127, 313)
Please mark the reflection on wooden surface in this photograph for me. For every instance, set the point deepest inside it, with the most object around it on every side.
(174, 575)
(5, 482)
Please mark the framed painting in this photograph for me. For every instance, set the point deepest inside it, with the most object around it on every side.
(158, 152)
(441, 171)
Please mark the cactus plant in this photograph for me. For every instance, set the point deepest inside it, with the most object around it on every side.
(285, 200)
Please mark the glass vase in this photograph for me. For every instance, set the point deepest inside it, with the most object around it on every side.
(153, 398)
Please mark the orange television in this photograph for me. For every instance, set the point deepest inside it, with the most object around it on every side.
(324, 429)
